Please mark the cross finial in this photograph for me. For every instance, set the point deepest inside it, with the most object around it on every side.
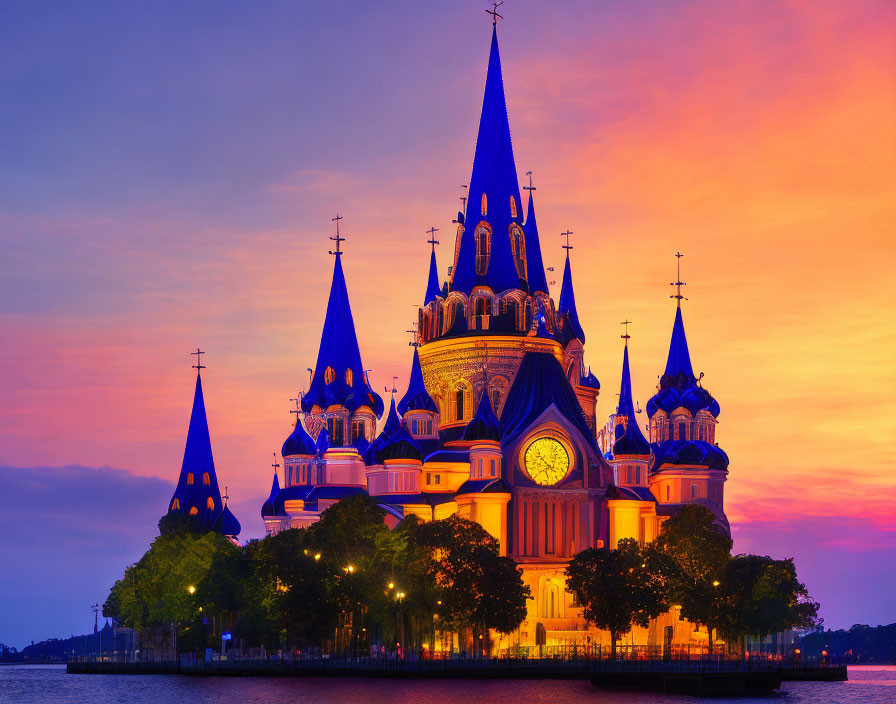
(413, 333)
(276, 464)
(297, 400)
(626, 336)
(494, 12)
(530, 187)
(394, 389)
(199, 365)
(225, 495)
(336, 238)
(432, 237)
(678, 283)
(567, 246)
(463, 199)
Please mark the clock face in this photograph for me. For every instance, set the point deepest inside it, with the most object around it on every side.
(546, 461)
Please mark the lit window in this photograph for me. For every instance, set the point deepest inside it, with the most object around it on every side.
(512, 207)
(189, 477)
(459, 404)
(207, 480)
(484, 205)
(194, 511)
(210, 503)
(518, 245)
(429, 477)
(329, 375)
(175, 505)
(438, 479)
(480, 307)
(348, 377)
(483, 248)
(667, 493)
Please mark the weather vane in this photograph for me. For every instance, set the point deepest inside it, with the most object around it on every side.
(626, 336)
(336, 238)
(432, 237)
(567, 246)
(494, 12)
(530, 187)
(199, 365)
(679, 283)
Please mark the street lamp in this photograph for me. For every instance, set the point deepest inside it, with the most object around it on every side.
(715, 583)
(191, 589)
(317, 556)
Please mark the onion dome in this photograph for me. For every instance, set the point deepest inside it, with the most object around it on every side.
(267, 508)
(534, 264)
(339, 378)
(566, 306)
(226, 523)
(416, 398)
(678, 385)
(432, 284)
(687, 452)
(484, 425)
(323, 442)
(397, 443)
(299, 442)
(494, 207)
(629, 438)
(197, 494)
(589, 381)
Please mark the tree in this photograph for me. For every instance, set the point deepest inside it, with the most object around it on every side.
(618, 588)
(698, 552)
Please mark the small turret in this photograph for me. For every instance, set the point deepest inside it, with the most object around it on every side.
(566, 306)
(535, 265)
(417, 408)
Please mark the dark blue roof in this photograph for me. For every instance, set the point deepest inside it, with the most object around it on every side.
(678, 385)
(589, 380)
(339, 352)
(267, 508)
(687, 452)
(299, 442)
(539, 384)
(226, 523)
(447, 455)
(566, 306)
(484, 486)
(323, 441)
(394, 442)
(630, 493)
(416, 398)
(432, 285)
(295, 492)
(197, 462)
(484, 425)
(494, 174)
(432, 499)
(534, 263)
(629, 438)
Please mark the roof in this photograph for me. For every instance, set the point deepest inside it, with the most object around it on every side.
(566, 306)
(416, 398)
(494, 176)
(432, 285)
(339, 378)
(540, 384)
(629, 438)
(429, 498)
(299, 442)
(446, 455)
(679, 387)
(226, 523)
(484, 486)
(192, 491)
(630, 493)
(687, 452)
(296, 492)
(267, 508)
(394, 442)
(484, 425)
(534, 262)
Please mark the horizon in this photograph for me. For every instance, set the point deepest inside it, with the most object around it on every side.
(171, 185)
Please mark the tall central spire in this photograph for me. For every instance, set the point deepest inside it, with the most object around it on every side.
(494, 194)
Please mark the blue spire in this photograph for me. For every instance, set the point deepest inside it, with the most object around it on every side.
(417, 398)
(566, 306)
(394, 442)
(267, 508)
(629, 438)
(679, 361)
(339, 378)
(432, 285)
(494, 176)
(484, 425)
(534, 263)
(198, 482)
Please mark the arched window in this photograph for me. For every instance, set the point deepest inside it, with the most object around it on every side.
(484, 205)
(512, 309)
(348, 377)
(207, 480)
(480, 307)
(189, 477)
(512, 207)
(459, 404)
(210, 503)
(496, 399)
(668, 490)
(483, 248)
(492, 468)
(329, 375)
(194, 511)
(175, 505)
(518, 245)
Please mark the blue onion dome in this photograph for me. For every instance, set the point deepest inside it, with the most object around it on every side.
(226, 523)
(484, 425)
(267, 508)
(397, 443)
(629, 440)
(416, 398)
(291, 493)
(323, 441)
(299, 442)
(687, 452)
(589, 381)
(679, 388)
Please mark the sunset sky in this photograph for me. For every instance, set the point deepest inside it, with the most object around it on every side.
(168, 172)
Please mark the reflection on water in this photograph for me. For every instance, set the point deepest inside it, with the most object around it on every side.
(49, 684)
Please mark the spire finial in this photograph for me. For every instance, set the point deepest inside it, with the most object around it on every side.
(494, 12)
(394, 389)
(678, 283)
(626, 336)
(463, 199)
(530, 187)
(199, 366)
(413, 333)
(432, 237)
(297, 400)
(336, 238)
(567, 246)
(225, 495)
(276, 464)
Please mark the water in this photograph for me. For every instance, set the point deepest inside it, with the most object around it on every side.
(49, 684)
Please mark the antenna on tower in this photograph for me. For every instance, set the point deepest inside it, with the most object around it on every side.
(96, 611)
(337, 238)
(678, 283)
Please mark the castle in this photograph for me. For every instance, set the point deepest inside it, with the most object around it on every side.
(498, 423)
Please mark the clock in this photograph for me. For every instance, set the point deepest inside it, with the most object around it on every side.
(546, 461)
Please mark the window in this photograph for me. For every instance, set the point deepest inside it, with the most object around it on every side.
(189, 477)
(492, 468)
(637, 475)
(210, 503)
(629, 473)
(518, 245)
(480, 307)
(459, 404)
(483, 248)
(336, 430)
(429, 477)
(194, 511)
(667, 493)
(496, 399)
(693, 491)
(207, 480)
(484, 205)
(348, 377)
(358, 430)
(438, 479)
(512, 207)
(175, 505)
(329, 375)
(682, 430)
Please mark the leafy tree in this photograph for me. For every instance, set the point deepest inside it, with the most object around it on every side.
(618, 588)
